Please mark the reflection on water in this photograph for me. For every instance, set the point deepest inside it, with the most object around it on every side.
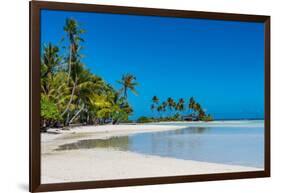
(121, 143)
(230, 145)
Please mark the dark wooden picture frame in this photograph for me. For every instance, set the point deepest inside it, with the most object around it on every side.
(34, 179)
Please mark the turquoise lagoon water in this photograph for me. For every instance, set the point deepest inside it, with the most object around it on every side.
(229, 142)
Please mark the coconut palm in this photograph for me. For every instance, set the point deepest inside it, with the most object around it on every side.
(54, 90)
(197, 107)
(54, 95)
(50, 59)
(73, 85)
(152, 107)
(74, 65)
(74, 36)
(155, 99)
(180, 104)
(86, 85)
(164, 106)
(170, 103)
(191, 104)
(128, 83)
(159, 109)
(201, 114)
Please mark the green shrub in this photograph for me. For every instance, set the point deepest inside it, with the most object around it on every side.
(144, 119)
(207, 118)
(49, 110)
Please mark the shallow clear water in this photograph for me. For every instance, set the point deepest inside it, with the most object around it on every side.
(230, 143)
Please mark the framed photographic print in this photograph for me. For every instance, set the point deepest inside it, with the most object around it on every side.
(123, 96)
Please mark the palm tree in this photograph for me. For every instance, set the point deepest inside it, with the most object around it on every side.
(86, 85)
(152, 107)
(50, 59)
(201, 114)
(159, 109)
(73, 33)
(155, 102)
(56, 89)
(180, 104)
(53, 85)
(72, 84)
(191, 104)
(128, 83)
(155, 99)
(197, 107)
(54, 93)
(74, 65)
(170, 103)
(164, 106)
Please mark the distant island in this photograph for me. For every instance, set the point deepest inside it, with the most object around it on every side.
(171, 110)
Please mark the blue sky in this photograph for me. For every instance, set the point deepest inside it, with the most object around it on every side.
(220, 63)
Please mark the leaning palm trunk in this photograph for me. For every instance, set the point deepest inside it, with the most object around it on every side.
(76, 114)
(71, 98)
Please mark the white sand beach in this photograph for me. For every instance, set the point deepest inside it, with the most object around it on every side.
(106, 163)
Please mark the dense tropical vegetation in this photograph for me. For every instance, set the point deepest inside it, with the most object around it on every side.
(172, 110)
(70, 93)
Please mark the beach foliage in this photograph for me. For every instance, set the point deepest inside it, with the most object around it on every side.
(49, 110)
(175, 110)
(144, 119)
(70, 93)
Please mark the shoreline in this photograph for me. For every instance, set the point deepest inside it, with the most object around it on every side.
(147, 127)
(109, 130)
(107, 163)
